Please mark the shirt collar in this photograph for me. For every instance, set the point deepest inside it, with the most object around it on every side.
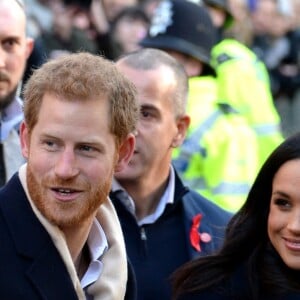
(97, 241)
(11, 117)
(167, 198)
(98, 245)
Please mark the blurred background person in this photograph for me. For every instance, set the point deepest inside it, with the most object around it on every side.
(149, 6)
(276, 40)
(15, 47)
(64, 37)
(102, 13)
(128, 28)
(244, 82)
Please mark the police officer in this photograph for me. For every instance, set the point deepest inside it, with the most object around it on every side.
(244, 82)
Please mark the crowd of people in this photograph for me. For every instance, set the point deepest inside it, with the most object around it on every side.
(145, 152)
(113, 27)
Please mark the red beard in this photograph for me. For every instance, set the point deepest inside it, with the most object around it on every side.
(66, 214)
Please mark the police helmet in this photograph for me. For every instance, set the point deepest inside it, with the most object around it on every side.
(185, 27)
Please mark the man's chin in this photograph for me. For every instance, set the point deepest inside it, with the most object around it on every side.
(127, 174)
(6, 98)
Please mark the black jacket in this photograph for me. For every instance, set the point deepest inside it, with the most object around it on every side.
(156, 250)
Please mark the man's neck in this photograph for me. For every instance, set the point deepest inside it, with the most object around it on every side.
(76, 238)
(145, 194)
(83, 261)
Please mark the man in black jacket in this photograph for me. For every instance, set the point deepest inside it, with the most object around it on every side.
(60, 235)
(164, 223)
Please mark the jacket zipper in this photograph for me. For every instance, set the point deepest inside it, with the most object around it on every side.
(144, 240)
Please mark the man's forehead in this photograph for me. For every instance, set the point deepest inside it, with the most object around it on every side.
(15, 9)
(19, 2)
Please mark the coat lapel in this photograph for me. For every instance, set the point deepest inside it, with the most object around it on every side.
(50, 277)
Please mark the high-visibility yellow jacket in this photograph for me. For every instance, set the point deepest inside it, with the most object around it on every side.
(243, 82)
(219, 155)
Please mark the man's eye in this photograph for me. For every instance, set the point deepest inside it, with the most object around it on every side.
(86, 148)
(49, 143)
(8, 44)
(145, 114)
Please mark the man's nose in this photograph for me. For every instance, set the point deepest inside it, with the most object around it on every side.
(66, 165)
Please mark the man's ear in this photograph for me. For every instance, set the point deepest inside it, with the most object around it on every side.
(29, 46)
(125, 153)
(24, 139)
(182, 124)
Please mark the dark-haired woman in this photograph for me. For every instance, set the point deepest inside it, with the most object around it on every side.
(260, 258)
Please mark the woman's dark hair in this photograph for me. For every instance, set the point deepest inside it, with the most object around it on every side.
(246, 240)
